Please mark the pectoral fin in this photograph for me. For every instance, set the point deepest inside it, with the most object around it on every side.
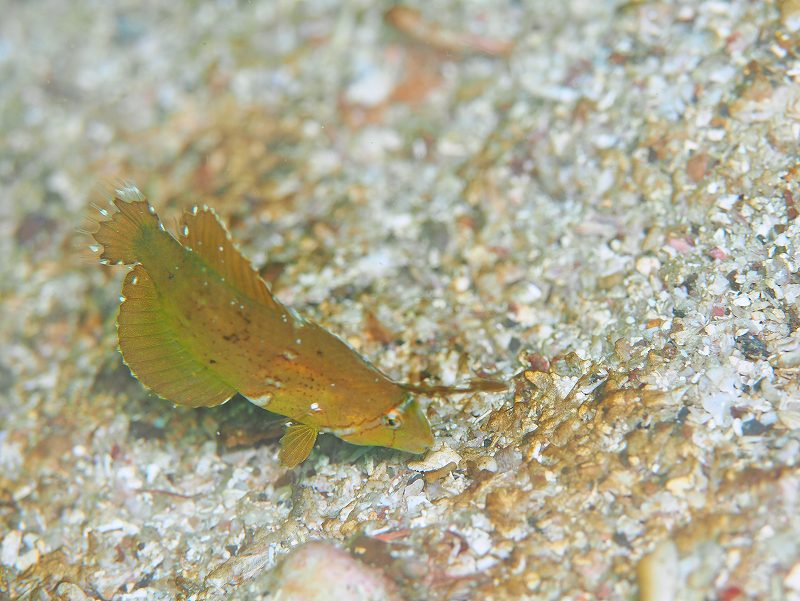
(296, 444)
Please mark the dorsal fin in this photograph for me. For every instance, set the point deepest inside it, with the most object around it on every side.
(119, 234)
(203, 232)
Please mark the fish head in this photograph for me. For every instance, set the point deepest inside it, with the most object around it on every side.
(403, 427)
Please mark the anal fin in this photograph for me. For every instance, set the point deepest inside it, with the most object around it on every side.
(296, 444)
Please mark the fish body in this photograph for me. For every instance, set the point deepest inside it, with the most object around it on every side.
(197, 324)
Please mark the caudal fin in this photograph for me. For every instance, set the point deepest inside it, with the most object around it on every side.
(118, 235)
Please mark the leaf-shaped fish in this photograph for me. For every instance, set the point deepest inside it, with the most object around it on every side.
(197, 324)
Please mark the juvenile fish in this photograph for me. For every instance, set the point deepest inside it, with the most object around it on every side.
(197, 324)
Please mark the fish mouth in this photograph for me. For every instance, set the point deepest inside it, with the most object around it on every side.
(420, 448)
(416, 436)
(413, 436)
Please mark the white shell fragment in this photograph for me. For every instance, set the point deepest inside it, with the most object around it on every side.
(438, 457)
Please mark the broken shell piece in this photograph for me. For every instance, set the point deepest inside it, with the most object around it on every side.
(436, 459)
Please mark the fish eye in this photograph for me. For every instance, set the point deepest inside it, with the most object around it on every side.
(392, 420)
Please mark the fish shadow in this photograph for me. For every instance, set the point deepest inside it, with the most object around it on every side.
(234, 424)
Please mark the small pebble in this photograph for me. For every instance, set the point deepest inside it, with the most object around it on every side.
(320, 571)
(9, 551)
(658, 573)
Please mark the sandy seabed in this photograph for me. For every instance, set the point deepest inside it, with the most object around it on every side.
(593, 199)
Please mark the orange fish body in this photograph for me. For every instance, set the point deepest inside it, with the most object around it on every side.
(197, 325)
